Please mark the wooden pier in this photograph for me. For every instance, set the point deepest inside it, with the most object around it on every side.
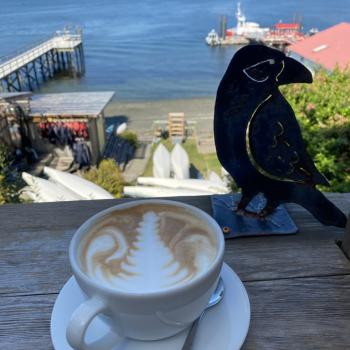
(61, 54)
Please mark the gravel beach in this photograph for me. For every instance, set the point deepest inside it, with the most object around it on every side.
(140, 115)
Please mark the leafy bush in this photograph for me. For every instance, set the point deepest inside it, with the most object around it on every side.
(323, 111)
(131, 137)
(10, 181)
(108, 176)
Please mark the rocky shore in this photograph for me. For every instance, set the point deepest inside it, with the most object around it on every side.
(140, 115)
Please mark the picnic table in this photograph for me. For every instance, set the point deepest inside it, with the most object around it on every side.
(298, 285)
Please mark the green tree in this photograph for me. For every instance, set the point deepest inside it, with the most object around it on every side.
(108, 176)
(10, 182)
(323, 111)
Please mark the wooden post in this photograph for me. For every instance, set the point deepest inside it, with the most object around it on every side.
(19, 80)
(346, 241)
(48, 65)
(58, 60)
(55, 67)
(77, 65)
(42, 68)
(70, 63)
(82, 58)
(35, 73)
(28, 78)
(63, 62)
(53, 62)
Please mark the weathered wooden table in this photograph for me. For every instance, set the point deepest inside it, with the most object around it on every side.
(298, 285)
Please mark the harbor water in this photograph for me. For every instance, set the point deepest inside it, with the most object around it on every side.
(150, 49)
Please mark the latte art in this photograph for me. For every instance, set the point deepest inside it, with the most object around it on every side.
(147, 248)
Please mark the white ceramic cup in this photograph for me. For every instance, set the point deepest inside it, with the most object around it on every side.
(148, 315)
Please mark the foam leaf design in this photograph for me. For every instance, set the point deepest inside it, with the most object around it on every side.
(150, 264)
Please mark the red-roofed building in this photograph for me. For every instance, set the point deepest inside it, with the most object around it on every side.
(291, 27)
(328, 48)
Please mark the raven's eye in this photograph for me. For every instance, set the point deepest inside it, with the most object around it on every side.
(259, 72)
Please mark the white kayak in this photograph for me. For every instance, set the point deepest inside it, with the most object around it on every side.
(224, 172)
(148, 191)
(207, 186)
(180, 162)
(77, 184)
(43, 190)
(121, 128)
(28, 192)
(161, 162)
(214, 177)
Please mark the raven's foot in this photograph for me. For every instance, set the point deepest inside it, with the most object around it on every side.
(268, 210)
(247, 213)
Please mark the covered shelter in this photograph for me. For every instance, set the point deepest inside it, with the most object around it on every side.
(81, 113)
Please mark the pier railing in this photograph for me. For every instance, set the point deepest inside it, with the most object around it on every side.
(23, 49)
(61, 40)
(61, 52)
(77, 34)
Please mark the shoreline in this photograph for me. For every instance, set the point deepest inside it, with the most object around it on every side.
(140, 115)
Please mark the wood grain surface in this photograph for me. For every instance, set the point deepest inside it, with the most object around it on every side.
(300, 313)
(298, 285)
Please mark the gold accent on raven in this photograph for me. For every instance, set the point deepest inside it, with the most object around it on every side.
(280, 72)
(305, 171)
(275, 142)
(250, 154)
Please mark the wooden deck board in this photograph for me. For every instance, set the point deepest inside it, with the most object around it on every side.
(302, 313)
(298, 284)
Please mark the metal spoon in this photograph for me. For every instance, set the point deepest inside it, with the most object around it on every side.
(214, 299)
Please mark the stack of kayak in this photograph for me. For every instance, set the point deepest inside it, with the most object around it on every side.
(171, 177)
(61, 186)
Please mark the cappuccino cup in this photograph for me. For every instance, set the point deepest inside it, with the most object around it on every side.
(147, 268)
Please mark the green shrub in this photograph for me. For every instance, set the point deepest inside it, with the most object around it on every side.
(131, 137)
(10, 181)
(323, 111)
(108, 176)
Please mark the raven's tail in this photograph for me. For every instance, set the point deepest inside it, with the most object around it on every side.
(319, 206)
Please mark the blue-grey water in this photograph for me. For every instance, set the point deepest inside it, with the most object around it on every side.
(150, 49)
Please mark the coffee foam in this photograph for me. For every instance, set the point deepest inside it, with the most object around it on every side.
(147, 248)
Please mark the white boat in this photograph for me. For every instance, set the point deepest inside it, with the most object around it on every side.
(250, 30)
(180, 162)
(242, 34)
(206, 186)
(148, 191)
(42, 190)
(77, 184)
(121, 128)
(161, 162)
(212, 39)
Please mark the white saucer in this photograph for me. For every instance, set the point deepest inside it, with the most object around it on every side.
(223, 327)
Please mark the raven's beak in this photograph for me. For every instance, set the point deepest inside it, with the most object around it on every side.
(293, 72)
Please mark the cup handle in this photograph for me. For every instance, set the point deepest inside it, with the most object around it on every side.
(80, 321)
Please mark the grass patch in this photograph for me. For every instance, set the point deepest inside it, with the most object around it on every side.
(202, 162)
